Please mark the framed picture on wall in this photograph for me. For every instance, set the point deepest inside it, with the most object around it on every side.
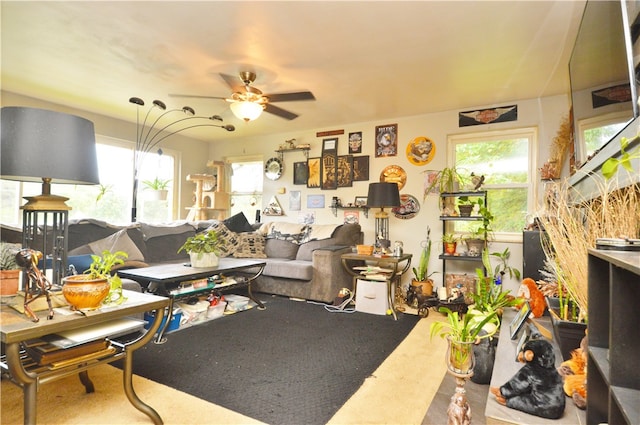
(300, 173)
(355, 142)
(360, 168)
(330, 144)
(313, 170)
(329, 170)
(360, 201)
(345, 171)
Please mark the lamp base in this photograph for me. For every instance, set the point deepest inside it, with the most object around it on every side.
(46, 203)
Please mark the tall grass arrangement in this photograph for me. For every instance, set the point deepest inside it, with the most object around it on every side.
(573, 223)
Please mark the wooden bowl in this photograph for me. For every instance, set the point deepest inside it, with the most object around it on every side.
(365, 249)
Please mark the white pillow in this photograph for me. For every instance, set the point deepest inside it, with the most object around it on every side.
(119, 241)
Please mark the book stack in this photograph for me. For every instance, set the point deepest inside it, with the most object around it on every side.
(45, 353)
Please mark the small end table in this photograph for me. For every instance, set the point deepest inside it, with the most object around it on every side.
(398, 265)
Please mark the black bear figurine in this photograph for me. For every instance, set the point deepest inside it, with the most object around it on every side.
(537, 387)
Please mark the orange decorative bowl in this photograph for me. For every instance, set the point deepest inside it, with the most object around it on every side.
(83, 293)
(365, 249)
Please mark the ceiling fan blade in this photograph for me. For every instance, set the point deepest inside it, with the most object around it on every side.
(287, 115)
(233, 82)
(195, 96)
(290, 97)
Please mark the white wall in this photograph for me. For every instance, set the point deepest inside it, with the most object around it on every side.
(546, 114)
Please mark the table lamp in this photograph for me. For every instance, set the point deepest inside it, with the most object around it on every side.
(383, 195)
(51, 147)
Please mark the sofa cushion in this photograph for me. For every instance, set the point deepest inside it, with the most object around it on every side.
(230, 239)
(316, 232)
(251, 245)
(119, 241)
(163, 242)
(82, 232)
(275, 248)
(238, 223)
(289, 269)
(305, 253)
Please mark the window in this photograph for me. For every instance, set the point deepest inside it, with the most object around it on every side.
(596, 132)
(505, 158)
(109, 201)
(246, 185)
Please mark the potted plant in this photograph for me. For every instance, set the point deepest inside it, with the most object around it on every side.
(421, 273)
(203, 249)
(9, 269)
(159, 187)
(447, 180)
(503, 268)
(477, 239)
(450, 243)
(89, 290)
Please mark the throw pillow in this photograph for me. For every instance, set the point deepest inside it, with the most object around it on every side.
(318, 232)
(251, 245)
(119, 241)
(230, 239)
(238, 223)
(292, 232)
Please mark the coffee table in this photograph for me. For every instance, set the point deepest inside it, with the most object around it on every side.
(164, 279)
(17, 327)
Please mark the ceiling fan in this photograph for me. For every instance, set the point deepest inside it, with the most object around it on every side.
(247, 102)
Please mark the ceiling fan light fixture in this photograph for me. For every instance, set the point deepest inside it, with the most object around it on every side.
(245, 110)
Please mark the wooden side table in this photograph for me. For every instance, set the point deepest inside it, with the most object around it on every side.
(398, 265)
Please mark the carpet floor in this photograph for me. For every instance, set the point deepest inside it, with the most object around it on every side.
(293, 363)
(398, 392)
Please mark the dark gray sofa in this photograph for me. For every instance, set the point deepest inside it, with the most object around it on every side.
(303, 269)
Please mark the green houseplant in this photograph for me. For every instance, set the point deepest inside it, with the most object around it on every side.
(421, 273)
(9, 269)
(450, 243)
(159, 189)
(203, 248)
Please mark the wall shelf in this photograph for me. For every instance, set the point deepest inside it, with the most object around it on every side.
(305, 150)
(334, 210)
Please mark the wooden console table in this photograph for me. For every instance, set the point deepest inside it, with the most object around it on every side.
(390, 262)
(17, 327)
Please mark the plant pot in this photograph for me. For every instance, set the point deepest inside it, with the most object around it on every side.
(568, 334)
(475, 247)
(460, 358)
(426, 286)
(83, 293)
(450, 248)
(157, 195)
(465, 210)
(204, 259)
(9, 281)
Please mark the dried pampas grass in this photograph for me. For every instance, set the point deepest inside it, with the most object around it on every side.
(573, 224)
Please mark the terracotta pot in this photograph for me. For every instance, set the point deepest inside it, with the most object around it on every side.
(450, 247)
(425, 285)
(83, 293)
(9, 281)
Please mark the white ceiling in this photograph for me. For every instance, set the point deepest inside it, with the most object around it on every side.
(364, 61)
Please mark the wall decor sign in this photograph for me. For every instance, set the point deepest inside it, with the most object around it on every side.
(351, 217)
(394, 174)
(360, 168)
(295, 200)
(329, 144)
(329, 164)
(329, 133)
(429, 177)
(315, 201)
(300, 173)
(345, 171)
(421, 150)
(409, 207)
(607, 96)
(313, 167)
(488, 116)
(386, 140)
(355, 142)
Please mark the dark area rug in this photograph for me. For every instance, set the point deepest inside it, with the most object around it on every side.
(293, 363)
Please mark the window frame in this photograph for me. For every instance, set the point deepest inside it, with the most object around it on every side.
(258, 194)
(530, 133)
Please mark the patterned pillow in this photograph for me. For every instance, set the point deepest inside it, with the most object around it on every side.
(230, 239)
(251, 246)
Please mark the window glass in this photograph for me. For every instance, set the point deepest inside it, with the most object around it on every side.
(504, 158)
(246, 187)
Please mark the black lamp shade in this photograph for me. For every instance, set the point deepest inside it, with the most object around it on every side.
(382, 195)
(39, 143)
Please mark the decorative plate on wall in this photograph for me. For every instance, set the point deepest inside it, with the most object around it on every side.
(273, 169)
(409, 207)
(421, 150)
(394, 174)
